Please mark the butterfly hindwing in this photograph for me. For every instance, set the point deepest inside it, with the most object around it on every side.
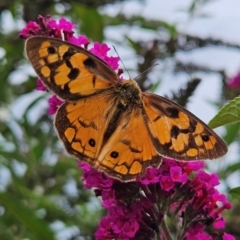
(69, 71)
(179, 134)
(129, 150)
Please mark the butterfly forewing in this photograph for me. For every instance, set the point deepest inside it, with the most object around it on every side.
(179, 134)
(69, 71)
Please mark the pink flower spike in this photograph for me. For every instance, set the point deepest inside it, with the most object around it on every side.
(40, 85)
(54, 104)
(227, 236)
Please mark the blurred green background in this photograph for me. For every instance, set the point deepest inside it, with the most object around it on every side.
(41, 193)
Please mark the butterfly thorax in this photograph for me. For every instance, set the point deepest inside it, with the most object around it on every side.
(129, 93)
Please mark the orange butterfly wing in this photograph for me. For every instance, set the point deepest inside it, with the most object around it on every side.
(179, 134)
(69, 71)
(129, 150)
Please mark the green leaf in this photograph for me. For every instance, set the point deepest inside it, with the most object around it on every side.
(232, 133)
(230, 169)
(37, 226)
(91, 21)
(235, 192)
(229, 114)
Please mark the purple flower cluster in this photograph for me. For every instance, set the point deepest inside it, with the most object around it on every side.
(181, 191)
(64, 29)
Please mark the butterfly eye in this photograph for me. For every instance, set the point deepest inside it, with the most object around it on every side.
(51, 50)
(92, 142)
(114, 154)
(205, 138)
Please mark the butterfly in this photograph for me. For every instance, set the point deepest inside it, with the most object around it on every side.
(112, 124)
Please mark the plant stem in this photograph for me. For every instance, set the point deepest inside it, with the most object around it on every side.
(165, 230)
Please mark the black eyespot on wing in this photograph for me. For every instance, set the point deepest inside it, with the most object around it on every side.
(89, 63)
(172, 112)
(92, 142)
(51, 50)
(114, 154)
(205, 138)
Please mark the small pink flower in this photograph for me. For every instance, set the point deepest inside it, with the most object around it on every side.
(86, 167)
(130, 228)
(100, 50)
(40, 85)
(151, 176)
(227, 236)
(219, 223)
(189, 167)
(31, 28)
(112, 62)
(210, 179)
(82, 40)
(54, 104)
(63, 24)
(177, 175)
(108, 197)
(166, 183)
(104, 229)
(96, 179)
(234, 82)
(196, 232)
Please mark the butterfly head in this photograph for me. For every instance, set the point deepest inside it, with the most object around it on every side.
(129, 92)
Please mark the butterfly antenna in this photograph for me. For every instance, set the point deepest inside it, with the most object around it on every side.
(146, 70)
(122, 62)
